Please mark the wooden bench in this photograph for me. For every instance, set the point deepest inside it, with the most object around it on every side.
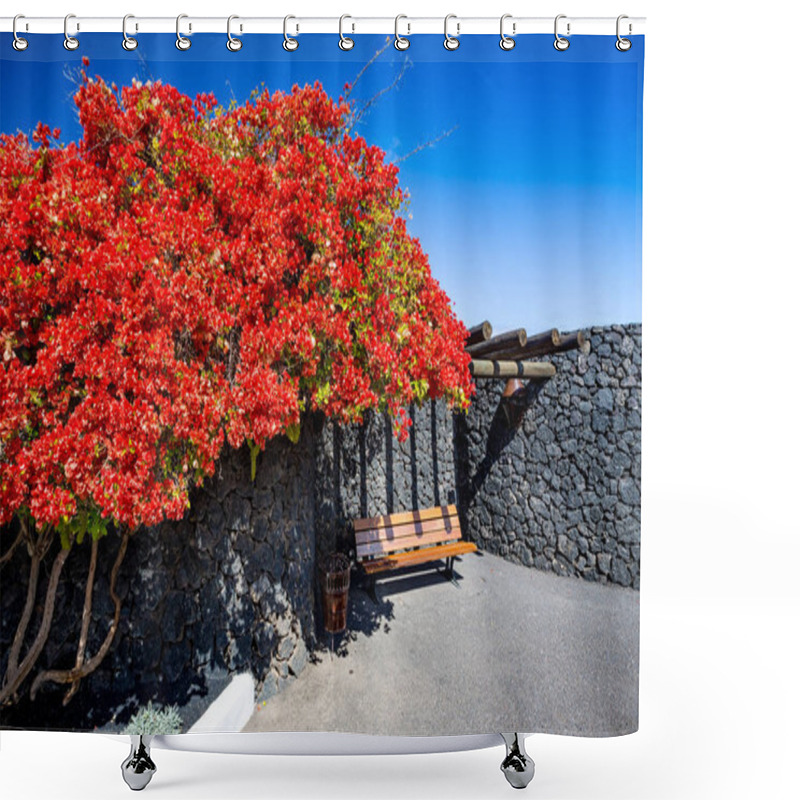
(409, 538)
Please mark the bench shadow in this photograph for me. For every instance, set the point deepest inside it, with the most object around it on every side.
(400, 583)
(366, 618)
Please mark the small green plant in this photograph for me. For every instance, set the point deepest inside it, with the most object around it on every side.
(155, 721)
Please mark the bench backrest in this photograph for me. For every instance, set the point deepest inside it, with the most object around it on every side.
(377, 536)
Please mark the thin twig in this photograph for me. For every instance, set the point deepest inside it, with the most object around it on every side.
(366, 66)
(427, 144)
(358, 115)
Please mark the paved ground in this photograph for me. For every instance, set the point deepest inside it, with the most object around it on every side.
(510, 649)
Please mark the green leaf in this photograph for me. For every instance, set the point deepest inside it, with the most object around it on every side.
(254, 451)
(293, 432)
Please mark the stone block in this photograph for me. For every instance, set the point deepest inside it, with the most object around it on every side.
(237, 513)
(620, 573)
(299, 658)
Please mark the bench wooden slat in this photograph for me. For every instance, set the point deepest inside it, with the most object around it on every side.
(404, 516)
(445, 524)
(430, 538)
(398, 560)
(385, 542)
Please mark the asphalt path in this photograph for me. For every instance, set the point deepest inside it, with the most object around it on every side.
(509, 648)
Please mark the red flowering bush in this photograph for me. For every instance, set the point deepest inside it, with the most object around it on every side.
(186, 275)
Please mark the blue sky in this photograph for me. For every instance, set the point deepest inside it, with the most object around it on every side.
(530, 209)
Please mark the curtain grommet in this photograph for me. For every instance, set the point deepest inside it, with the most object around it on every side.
(70, 42)
(181, 42)
(345, 42)
(507, 42)
(561, 43)
(129, 43)
(622, 44)
(290, 44)
(19, 43)
(233, 44)
(451, 43)
(401, 43)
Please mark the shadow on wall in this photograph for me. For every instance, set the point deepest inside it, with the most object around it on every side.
(233, 586)
(502, 430)
(561, 493)
(363, 471)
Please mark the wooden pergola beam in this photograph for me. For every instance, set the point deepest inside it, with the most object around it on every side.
(541, 344)
(480, 333)
(574, 341)
(504, 341)
(482, 368)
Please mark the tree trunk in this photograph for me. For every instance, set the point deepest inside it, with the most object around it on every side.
(15, 680)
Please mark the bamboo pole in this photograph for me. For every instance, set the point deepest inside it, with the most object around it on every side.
(504, 341)
(511, 369)
(480, 333)
(541, 344)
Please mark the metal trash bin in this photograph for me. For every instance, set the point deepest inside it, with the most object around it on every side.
(335, 580)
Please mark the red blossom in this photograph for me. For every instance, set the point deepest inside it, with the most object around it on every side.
(186, 275)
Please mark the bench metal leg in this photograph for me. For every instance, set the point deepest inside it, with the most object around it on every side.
(448, 571)
(372, 590)
(518, 766)
(138, 768)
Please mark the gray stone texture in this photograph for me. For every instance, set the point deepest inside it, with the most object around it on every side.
(232, 586)
(562, 492)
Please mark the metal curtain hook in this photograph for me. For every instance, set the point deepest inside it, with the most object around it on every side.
(451, 42)
(507, 42)
(401, 42)
(181, 42)
(623, 44)
(70, 42)
(345, 42)
(19, 44)
(128, 42)
(289, 44)
(560, 43)
(233, 44)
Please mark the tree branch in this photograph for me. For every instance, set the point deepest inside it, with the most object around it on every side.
(10, 552)
(37, 551)
(87, 618)
(14, 681)
(75, 674)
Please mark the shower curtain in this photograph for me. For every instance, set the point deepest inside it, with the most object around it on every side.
(321, 382)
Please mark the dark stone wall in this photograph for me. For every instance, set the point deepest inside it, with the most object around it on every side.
(227, 589)
(231, 587)
(561, 493)
(365, 471)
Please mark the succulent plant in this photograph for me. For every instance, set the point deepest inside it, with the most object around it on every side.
(155, 721)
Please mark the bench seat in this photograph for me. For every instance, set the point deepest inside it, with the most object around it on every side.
(409, 538)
